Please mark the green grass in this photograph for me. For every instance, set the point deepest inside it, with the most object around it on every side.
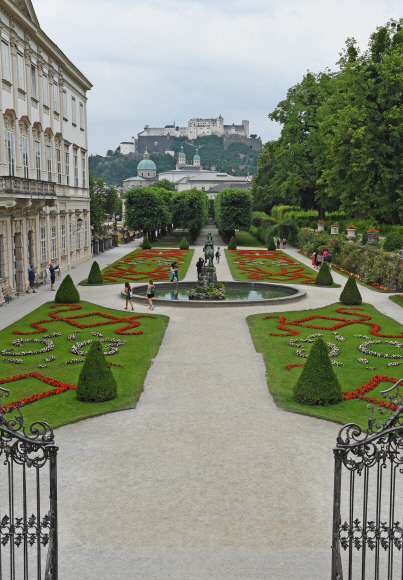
(271, 274)
(247, 240)
(135, 358)
(143, 272)
(277, 354)
(397, 299)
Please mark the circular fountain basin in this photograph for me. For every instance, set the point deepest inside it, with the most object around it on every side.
(237, 294)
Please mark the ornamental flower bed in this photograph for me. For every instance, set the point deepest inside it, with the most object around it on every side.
(271, 266)
(145, 264)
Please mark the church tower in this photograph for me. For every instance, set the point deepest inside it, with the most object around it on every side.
(181, 157)
(196, 159)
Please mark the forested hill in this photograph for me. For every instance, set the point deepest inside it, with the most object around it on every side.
(114, 167)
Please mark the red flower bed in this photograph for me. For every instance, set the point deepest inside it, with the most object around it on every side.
(60, 388)
(127, 270)
(341, 322)
(132, 320)
(366, 388)
(290, 273)
(291, 366)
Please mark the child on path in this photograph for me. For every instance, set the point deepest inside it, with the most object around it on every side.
(150, 294)
(129, 295)
(284, 243)
(217, 255)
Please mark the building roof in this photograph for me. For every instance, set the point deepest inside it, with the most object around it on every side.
(239, 185)
(137, 178)
(146, 164)
(181, 154)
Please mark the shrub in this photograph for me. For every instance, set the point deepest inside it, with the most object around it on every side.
(95, 276)
(232, 244)
(393, 242)
(146, 244)
(96, 382)
(67, 293)
(318, 383)
(324, 277)
(270, 244)
(350, 294)
(364, 239)
(184, 245)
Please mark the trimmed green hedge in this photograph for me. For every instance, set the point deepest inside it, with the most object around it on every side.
(67, 293)
(95, 276)
(318, 383)
(96, 382)
(350, 294)
(232, 244)
(184, 245)
(324, 277)
(146, 244)
(270, 244)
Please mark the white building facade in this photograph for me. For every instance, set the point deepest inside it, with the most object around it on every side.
(44, 195)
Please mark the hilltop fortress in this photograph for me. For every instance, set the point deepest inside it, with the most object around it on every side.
(160, 139)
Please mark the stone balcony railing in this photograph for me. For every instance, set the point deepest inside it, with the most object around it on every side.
(26, 186)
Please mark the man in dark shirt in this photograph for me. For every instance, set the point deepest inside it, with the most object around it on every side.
(31, 277)
(199, 266)
(52, 272)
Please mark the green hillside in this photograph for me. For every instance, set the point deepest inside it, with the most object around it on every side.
(114, 167)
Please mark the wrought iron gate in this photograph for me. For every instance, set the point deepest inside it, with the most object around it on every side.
(368, 503)
(28, 501)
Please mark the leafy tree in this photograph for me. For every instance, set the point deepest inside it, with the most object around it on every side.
(103, 201)
(118, 206)
(189, 210)
(147, 210)
(232, 209)
(165, 184)
(96, 382)
(318, 383)
(67, 293)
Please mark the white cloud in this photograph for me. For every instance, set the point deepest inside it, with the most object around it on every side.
(155, 61)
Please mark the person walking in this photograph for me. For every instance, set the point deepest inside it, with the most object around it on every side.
(31, 278)
(314, 259)
(150, 294)
(329, 259)
(278, 243)
(199, 266)
(284, 243)
(52, 270)
(319, 260)
(129, 295)
(174, 271)
(217, 255)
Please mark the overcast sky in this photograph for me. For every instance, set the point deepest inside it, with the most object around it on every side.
(156, 61)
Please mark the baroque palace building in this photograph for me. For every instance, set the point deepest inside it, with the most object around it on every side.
(44, 195)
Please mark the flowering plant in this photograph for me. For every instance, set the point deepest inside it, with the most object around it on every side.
(372, 231)
(320, 222)
(351, 227)
(334, 226)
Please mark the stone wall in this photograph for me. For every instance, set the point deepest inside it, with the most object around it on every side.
(254, 142)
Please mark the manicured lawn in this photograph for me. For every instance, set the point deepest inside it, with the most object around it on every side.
(146, 264)
(277, 354)
(246, 240)
(265, 266)
(135, 357)
(397, 299)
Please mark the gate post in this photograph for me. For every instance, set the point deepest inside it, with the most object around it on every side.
(52, 563)
(337, 573)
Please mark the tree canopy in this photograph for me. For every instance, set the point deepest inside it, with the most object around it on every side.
(103, 200)
(232, 208)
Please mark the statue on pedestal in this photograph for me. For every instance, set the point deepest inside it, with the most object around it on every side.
(209, 251)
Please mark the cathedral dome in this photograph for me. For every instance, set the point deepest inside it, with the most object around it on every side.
(197, 156)
(182, 154)
(146, 164)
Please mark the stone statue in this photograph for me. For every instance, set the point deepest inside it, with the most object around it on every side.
(209, 251)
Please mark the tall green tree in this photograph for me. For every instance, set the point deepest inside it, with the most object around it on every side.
(147, 210)
(190, 210)
(103, 201)
(233, 210)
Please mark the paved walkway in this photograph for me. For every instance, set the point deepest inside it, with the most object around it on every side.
(206, 479)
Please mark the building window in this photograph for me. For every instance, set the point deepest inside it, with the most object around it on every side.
(49, 161)
(38, 159)
(24, 147)
(78, 235)
(71, 237)
(67, 168)
(5, 50)
(54, 242)
(43, 245)
(83, 168)
(63, 238)
(21, 75)
(81, 116)
(30, 248)
(33, 82)
(59, 166)
(75, 170)
(10, 152)
(56, 96)
(86, 234)
(73, 111)
(45, 89)
(65, 105)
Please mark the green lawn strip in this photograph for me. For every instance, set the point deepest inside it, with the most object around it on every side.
(144, 268)
(358, 281)
(247, 240)
(277, 354)
(238, 274)
(397, 299)
(135, 358)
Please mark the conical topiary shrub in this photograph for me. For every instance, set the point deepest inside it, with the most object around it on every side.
(146, 244)
(67, 293)
(318, 383)
(270, 244)
(350, 294)
(95, 276)
(184, 245)
(232, 244)
(324, 277)
(96, 382)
